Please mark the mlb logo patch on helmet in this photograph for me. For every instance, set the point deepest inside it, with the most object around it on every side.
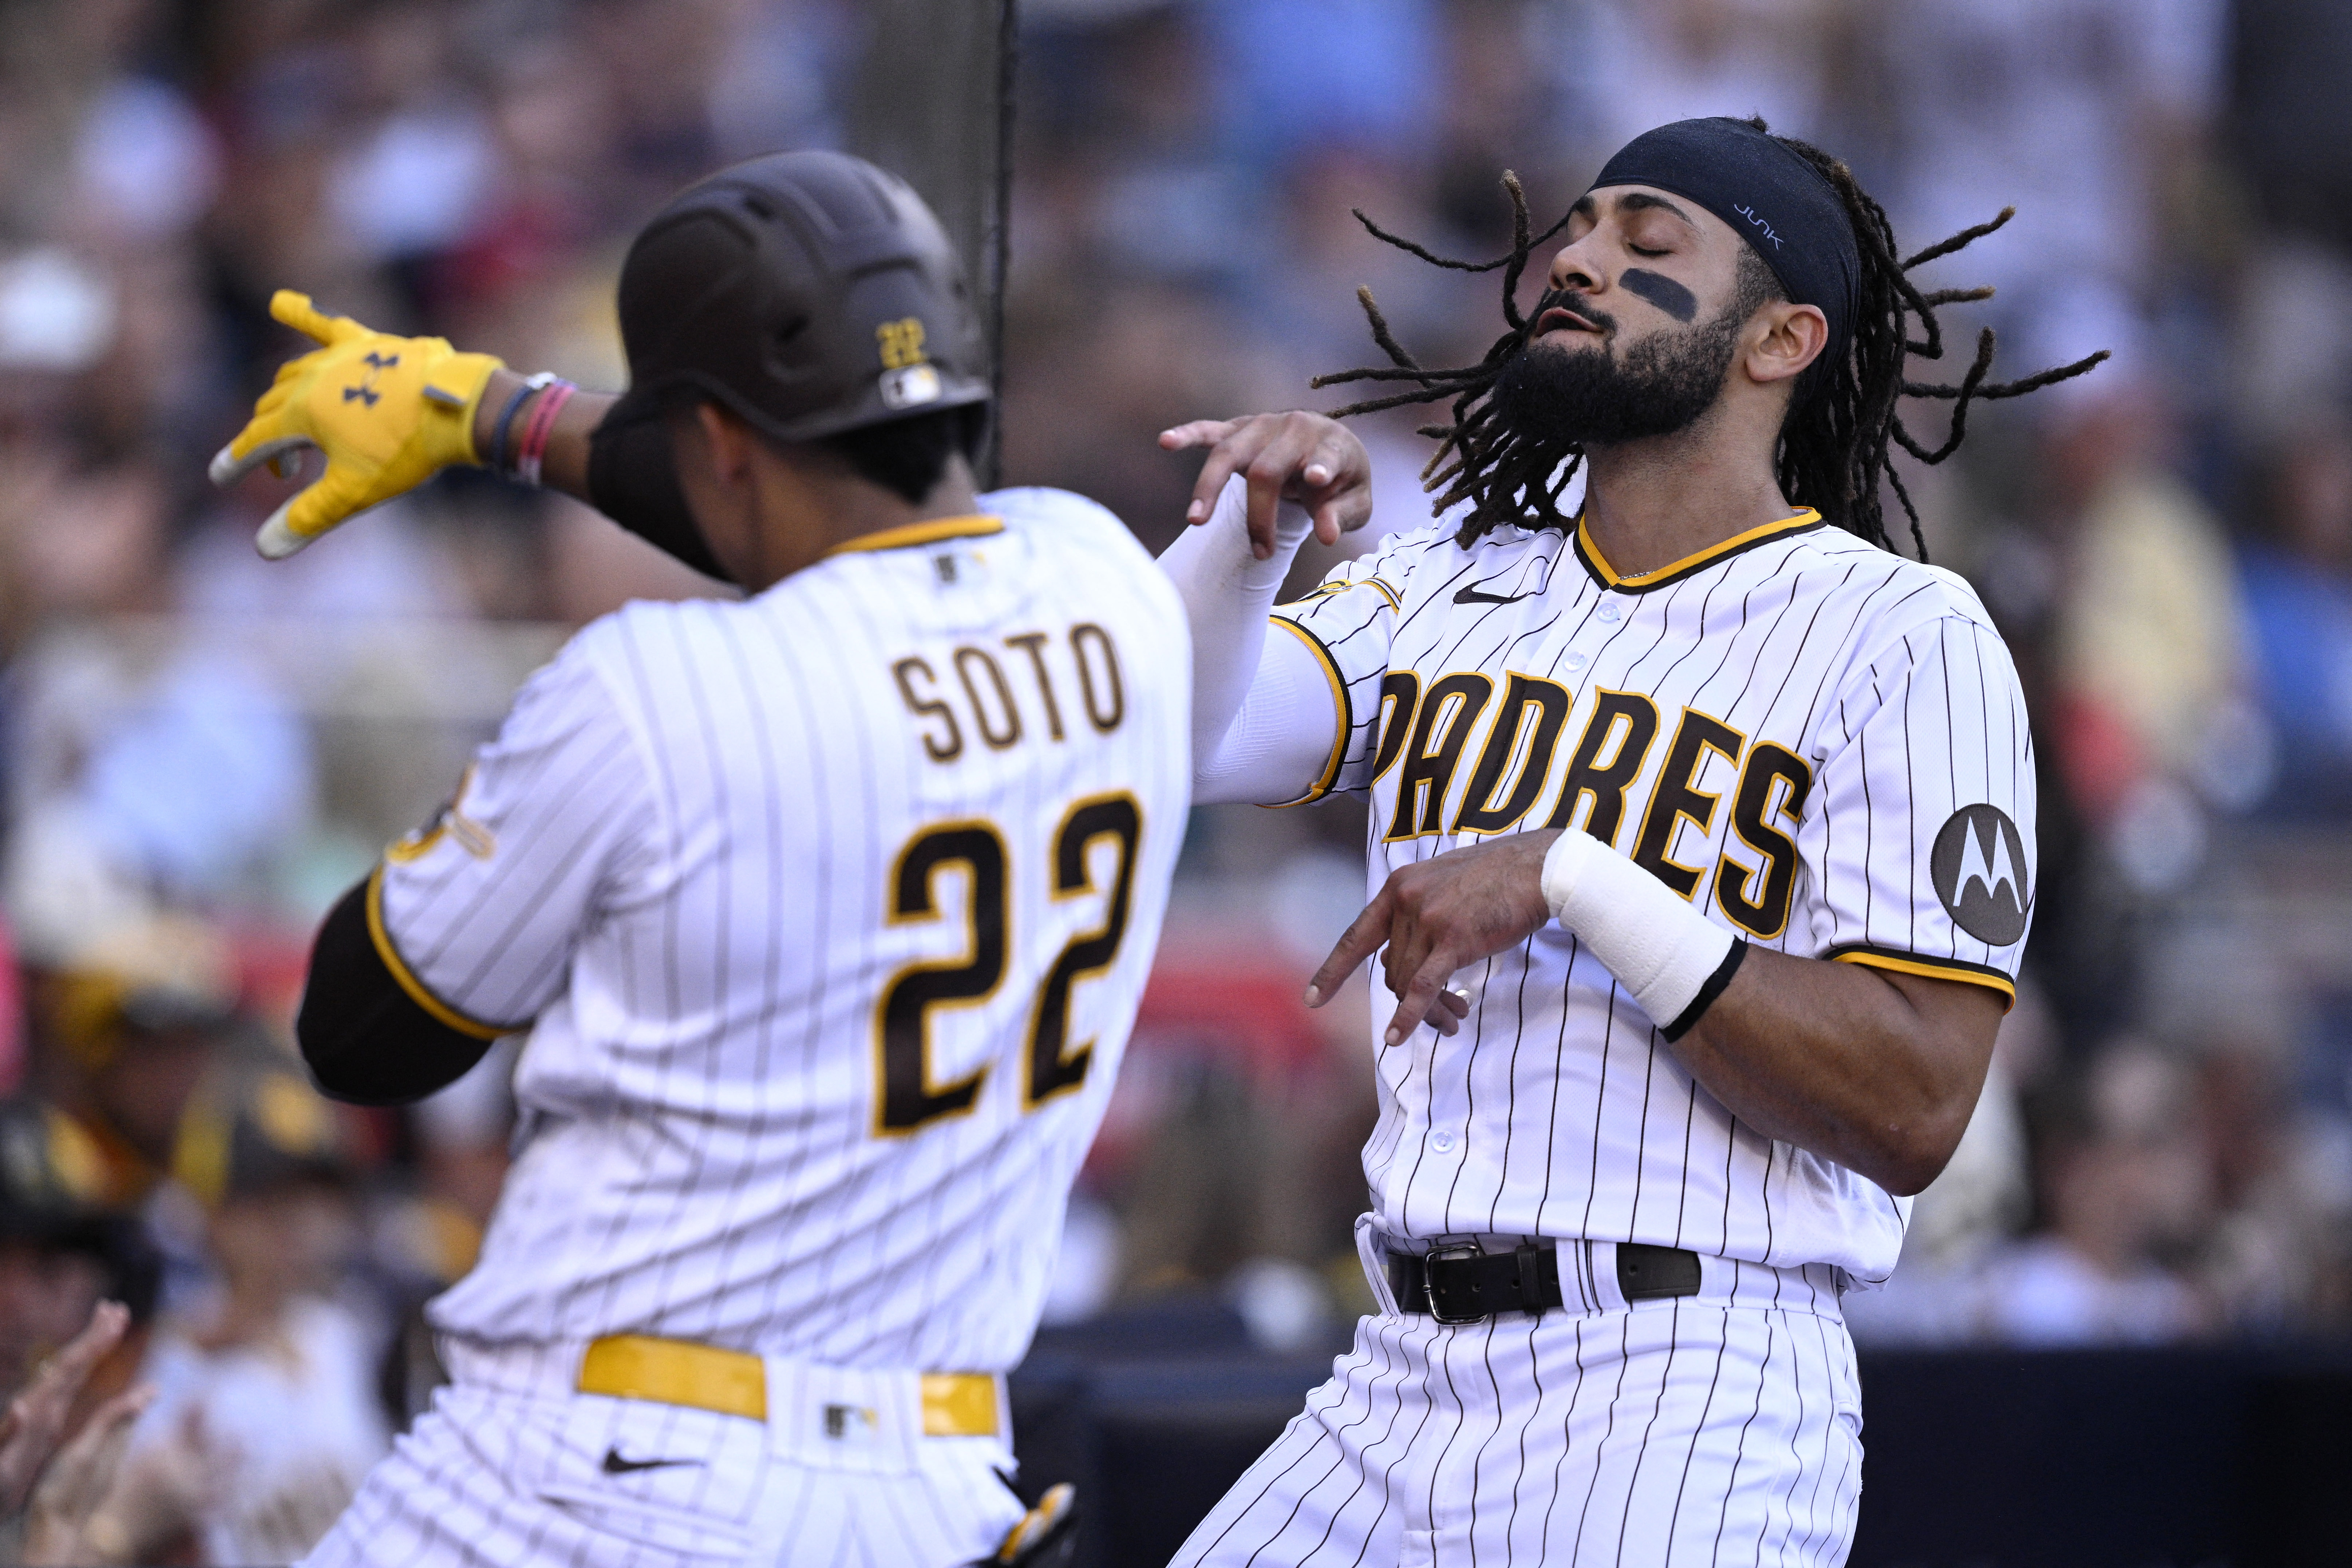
(910, 388)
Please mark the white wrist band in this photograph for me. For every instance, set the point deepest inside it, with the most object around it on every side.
(1674, 960)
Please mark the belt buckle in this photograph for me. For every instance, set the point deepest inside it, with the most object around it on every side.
(1434, 1256)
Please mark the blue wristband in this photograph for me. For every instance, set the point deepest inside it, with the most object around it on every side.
(505, 426)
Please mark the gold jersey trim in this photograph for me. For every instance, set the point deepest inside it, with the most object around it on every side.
(441, 1011)
(1340, 714)
(924, 533)
(1658, 577)
(1932, 968)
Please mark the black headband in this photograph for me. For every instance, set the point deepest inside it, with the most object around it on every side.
(1789, 211)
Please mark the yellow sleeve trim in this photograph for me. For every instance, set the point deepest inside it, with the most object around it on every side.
(924, 533)
(1991, 980)
(441, 1012)
(1339, 709)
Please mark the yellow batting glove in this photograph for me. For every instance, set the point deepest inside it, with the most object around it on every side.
(389, 413)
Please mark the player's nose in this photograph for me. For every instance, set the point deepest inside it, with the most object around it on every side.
(1571, 268)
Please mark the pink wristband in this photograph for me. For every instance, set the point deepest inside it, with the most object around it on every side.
(542, 426)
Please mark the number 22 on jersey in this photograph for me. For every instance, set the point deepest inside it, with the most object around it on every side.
(907, 1095)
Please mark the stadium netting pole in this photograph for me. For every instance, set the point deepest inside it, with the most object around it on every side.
(932, 101)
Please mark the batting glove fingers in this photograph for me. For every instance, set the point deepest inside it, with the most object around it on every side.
(388, 412)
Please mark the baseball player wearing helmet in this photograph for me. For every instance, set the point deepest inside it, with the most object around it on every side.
(826, 911)
(1701, 862)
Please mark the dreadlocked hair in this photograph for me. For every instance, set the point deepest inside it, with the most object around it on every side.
(1836, 445)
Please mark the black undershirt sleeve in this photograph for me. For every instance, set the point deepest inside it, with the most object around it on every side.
(366, 1040)
(632, 479)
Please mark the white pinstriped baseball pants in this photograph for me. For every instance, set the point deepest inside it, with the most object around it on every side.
(510, 1470)
(1721, 1429)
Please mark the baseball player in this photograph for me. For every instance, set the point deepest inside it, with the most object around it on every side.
(1710, 815)
(828, 911)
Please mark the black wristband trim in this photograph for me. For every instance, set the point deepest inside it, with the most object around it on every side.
(1708, 992)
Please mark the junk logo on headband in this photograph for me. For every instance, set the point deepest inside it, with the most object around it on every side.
(1790, 215)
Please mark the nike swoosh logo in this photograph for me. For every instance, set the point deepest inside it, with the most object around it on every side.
(616, 1466)
(1472, 596)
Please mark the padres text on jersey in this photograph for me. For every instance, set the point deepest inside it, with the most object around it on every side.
(1821, 744)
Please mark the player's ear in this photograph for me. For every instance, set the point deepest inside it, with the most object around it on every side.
(725, 440)
(1792, 337)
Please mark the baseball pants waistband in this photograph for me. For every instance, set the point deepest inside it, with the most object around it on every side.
(810, 1408)
(1593, 1279)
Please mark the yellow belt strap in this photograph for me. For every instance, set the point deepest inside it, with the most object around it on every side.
(735, 1383)
(959, 1404)
(675, 1371)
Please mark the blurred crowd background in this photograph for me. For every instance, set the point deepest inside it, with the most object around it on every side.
(198, 751)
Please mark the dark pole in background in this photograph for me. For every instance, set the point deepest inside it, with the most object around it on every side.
(933, 102)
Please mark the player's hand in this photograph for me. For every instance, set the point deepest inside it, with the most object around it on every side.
(58, 1526)
(389, 413)
(35, 1421)
(1436, 917)
(1297, 457)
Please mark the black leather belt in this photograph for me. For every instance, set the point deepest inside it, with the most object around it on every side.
(1468, 1284)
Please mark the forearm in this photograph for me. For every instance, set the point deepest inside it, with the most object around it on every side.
(629, 474)
(1876, 1071)
(565, 465)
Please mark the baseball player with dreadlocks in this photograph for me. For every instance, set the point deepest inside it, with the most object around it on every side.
(826, 911)
(1708, 816)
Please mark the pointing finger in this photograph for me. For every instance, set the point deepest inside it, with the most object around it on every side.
(296, 311)
(1211, 482)
(101, 1335)
(277, 538)
(1238, 445)
(228, 465)
(1358, 942)
(1196, 432)
(1271, 474)
(324, 506)
(1345, 497)
(1453, 1007)
(1413, 1006)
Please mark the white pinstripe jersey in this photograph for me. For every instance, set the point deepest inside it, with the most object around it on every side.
(829, 912)
(1807, 735)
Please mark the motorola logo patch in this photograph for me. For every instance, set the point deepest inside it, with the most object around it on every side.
(1979, 865)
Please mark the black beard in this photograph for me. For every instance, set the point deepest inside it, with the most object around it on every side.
(1576, 398)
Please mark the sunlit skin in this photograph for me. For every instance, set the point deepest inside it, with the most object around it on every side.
(1875, 1071)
